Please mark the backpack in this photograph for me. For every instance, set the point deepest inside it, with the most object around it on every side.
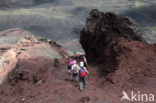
(82, 72)
(76, 69)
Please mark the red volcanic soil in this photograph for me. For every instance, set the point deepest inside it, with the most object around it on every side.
(43, 80)
(36, 79)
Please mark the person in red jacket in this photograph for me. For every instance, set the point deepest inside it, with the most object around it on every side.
(68, 62)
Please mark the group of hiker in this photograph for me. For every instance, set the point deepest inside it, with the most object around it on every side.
(78, 70)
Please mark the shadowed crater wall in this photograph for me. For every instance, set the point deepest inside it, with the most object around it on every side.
(102, 30)
(114, 43)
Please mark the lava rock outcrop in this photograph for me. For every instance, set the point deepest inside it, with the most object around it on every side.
(102, 30)
(114, 43)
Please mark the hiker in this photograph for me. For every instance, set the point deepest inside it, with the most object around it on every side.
(72, 62)
(84, 60)
(75, 55)
(68, 66)
(75, 71)
(82, 76)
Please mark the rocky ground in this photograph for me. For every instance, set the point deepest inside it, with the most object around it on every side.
(33, 70)
(28, 76)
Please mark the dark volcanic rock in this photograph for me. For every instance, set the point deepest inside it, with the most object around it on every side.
(114, 44)
(102, 30)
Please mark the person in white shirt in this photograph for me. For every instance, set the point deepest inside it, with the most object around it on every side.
(82, 76)
(75, 70)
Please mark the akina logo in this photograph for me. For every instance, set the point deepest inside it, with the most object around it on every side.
(138, 97)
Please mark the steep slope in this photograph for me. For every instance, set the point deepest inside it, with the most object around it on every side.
(36, 72)
(29, 47)
(26, 65)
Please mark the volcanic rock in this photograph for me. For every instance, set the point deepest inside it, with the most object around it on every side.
(115, 44)
(102, 30)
